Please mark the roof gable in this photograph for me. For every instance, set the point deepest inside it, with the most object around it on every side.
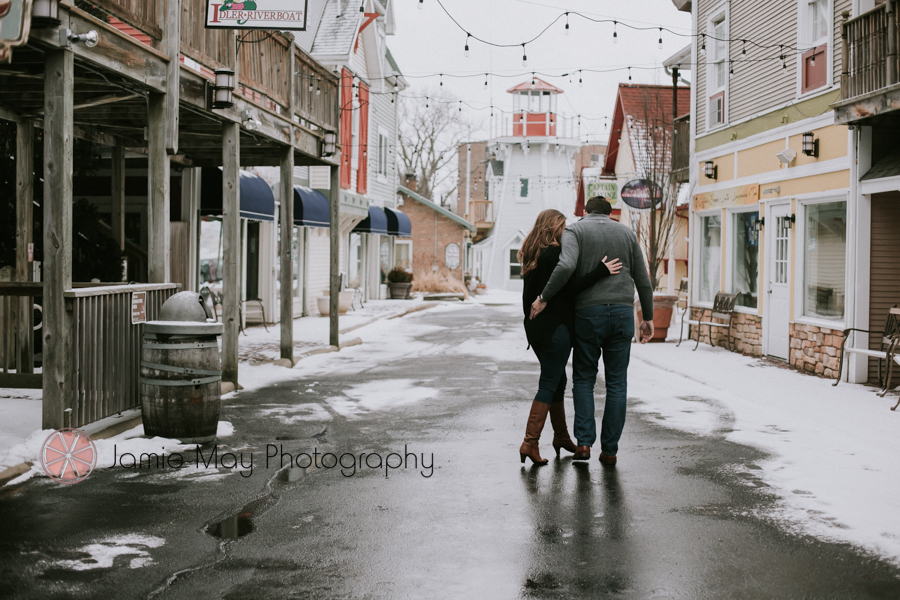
(438, 209)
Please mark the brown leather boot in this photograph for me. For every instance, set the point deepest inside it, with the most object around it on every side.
(561, 437)
(536, 419)
(582, 453)
(607, 459)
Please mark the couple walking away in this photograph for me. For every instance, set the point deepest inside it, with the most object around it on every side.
(575, 295)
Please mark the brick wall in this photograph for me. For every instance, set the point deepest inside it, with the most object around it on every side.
(746, 332)
(815, 349)
(423, 220)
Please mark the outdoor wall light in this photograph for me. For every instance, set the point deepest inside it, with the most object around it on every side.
(789, 221)
(89, 39)
(44, 14)
(249, 122)
(329, 147)
(223, 89)
(810, 145)
(710, 170)
(760, 223)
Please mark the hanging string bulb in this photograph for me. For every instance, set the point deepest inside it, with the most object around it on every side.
(420, 4)
(782, 57)
(362, 7)
(426, 101)
(524, 57)
(659, 45)
(492, 110)
(615, 33)
(310, 85)
(396, 88)
(580, 83)
(460, 106)
(629, 73)
(567, 24)
(744, 47)
(485, 80)
(318, 90)
(532, 80)
(702, 44)
(467, 45)
(392, 98)
(730, 68)
(441, 76)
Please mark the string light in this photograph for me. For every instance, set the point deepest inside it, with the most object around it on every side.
(426, 101)
(460, 106)
(396, 88)
(615, 33)
(467, 45)
(485, 80)
(318, 90)
(731, 68)
(524, 57)
(362, 7)
(703, 44)
(532, 81)
(629, 73)
(310, 85)
(420, 4)
(660, 39)
(744, 47)
(567, 24)
(441, 75)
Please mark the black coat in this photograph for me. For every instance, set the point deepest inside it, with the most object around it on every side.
(561, 308)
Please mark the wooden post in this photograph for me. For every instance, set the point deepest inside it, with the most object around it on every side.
(24, 238)
(891, 60)
(170, 16)
(335, 255)
(845, 57)
(287, 268)
(118, 194)
(231, 236)
(158, 201)
(59, 77)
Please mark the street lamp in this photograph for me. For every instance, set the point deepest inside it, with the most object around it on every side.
(711, 170)
(223, 88)
(810, 145)
(45, 13)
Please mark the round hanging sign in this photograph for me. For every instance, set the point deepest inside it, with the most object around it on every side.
(636, 193)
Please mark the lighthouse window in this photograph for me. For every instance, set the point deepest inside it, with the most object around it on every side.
(523, 187)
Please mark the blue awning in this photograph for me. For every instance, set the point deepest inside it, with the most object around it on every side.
(257, 199)
(398, 223)
(376, 222)
(311, 208)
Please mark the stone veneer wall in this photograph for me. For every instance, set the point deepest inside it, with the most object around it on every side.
(815, 349)
(746, 332)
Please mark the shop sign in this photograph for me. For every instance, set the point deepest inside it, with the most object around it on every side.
(598, 187)
(738, 196)
(280, 15)
(451, 256)
(138, 307)
(15, 23)
(636, 193)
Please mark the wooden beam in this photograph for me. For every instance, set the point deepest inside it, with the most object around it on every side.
(231, 237)
(9, 115)
(118, 194)
(59, 71)
(335, 262)
(100, 101)
(170, 16)
(24, 239)
(287, 268)
(158, 199)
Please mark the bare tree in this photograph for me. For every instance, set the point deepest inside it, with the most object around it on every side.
(430, 132)
(651, 135)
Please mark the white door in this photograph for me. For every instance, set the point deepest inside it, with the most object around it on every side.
(778, 291)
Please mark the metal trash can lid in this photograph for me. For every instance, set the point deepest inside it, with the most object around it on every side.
(184, 328)
(184, 306)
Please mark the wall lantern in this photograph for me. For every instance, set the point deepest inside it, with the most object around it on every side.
(710, 170)
(223, 88)
(249, 121)
(329, 147)
(810, 145)
(789, 221)
(760, 223)
(45, 13)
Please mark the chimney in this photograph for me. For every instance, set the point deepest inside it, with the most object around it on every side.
(411, 183)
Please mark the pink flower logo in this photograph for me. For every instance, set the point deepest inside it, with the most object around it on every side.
(68, 456)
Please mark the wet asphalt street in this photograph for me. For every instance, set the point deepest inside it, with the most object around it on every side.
(675, 519)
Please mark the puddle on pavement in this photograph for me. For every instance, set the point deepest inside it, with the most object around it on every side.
(240, 524)
(292, 474)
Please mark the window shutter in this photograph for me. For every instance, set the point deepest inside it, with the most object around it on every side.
(362, 168)
(346, 127)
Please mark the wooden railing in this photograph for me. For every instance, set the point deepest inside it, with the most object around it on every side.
(869, 51)
(681, 150)
(106, 348)
(264, 65)
(482, 213)
(315, 92)
(144, 15)
(213, 48)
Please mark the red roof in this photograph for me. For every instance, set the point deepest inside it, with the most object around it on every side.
(539, 85)
(644, 104)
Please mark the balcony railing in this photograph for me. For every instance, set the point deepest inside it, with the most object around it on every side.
(481, 212)
(681, 150)
(869, 51)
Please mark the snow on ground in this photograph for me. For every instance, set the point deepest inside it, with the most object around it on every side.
(832, 450)
(102, 553)
(20, 415)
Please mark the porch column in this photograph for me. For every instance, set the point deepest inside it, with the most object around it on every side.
(190, 207)
(287, 268)
(118, 194)
(231, 242)
(335, 255)
(24, 238)
(158, 199)
(59, 80)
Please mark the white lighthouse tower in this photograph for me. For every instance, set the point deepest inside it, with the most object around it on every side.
(533, 170)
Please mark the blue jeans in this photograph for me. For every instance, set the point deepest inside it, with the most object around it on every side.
(553, 356)
(602, 332)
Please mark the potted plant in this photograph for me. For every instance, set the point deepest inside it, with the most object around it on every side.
(663, 307)
(399, 283)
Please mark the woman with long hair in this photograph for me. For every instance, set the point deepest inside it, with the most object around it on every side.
(551, 332)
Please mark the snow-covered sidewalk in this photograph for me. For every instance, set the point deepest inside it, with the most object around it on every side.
(832, 450)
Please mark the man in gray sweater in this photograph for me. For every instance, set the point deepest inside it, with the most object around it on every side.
(604, 321)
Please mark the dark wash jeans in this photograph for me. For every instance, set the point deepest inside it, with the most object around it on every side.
(602, 332)
(553, 356)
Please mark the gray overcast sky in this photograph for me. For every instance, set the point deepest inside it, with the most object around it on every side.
(427, 42)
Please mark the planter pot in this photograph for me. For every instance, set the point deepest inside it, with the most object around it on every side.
(399, 291)
(663, 306)
(345, 301)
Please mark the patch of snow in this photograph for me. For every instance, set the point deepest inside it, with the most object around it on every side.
(103, 553)
(382, 394)
(295, 413)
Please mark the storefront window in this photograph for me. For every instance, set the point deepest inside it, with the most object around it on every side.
(515, 268)
(745, 273)
(403, 254)
(824, 260)
(710, 257)
(355, 256)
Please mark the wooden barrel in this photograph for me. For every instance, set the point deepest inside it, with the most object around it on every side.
(181, 381)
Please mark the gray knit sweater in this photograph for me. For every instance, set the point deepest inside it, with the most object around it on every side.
(584, 244)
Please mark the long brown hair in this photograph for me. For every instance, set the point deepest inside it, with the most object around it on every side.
(546, 232)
